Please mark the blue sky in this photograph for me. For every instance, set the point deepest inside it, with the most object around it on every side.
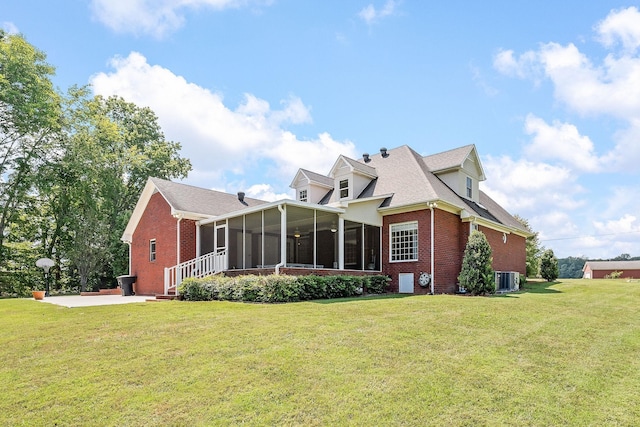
(549, 92)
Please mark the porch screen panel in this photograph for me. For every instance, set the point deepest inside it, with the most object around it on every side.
(206, 238)
(327, 240)
(253, 240)
(371, 247)
(300, 242)
(272, 237)
(352, 245)
(234, 249)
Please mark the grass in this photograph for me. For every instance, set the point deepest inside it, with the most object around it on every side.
(561, 354)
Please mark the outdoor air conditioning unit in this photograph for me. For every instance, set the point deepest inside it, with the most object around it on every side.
(507, 281)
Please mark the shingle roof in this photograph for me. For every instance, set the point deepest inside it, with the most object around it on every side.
(187, 198)
(448, 159)
(405, 175)
(408, 179)
(318, 178)
(613, 265)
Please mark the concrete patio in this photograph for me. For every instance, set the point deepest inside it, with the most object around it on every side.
(89, 301)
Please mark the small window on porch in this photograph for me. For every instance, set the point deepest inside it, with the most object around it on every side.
(302, 195)
(152, 250)
(344, 188)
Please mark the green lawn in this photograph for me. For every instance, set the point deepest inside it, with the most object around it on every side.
(565, 354)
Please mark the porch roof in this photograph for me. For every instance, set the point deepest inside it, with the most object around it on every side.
(266, 206)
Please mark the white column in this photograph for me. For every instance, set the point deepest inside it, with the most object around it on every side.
(341, 243)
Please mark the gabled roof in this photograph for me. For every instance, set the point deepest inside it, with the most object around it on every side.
(612, 265)
(453, 160)
(406, 179)
(354, 166)
(191, 202)
(404, 174)
(312, 178)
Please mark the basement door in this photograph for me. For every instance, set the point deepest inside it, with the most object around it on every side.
(405, 283)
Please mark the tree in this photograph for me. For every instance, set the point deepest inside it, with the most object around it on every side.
(549, 266)
(29, 112)
(532, 247)
(111, 148)
(476, 275)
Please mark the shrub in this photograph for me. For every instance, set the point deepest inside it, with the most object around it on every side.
(377, 284)
(279, 288)
(477, 276)
(549, 266)
(613, 275)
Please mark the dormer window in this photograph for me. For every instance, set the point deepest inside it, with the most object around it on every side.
(469, 188)
(302, 195)
(344, 188)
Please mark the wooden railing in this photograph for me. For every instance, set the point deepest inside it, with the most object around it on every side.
(202, 266)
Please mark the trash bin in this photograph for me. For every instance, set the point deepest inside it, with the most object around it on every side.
(126, 285)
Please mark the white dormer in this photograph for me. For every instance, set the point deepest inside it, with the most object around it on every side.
(311, 187)
(460, 169)
(350, 177)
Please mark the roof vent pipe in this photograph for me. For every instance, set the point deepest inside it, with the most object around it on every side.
(366, 158)
(383, 152)
(241, 196)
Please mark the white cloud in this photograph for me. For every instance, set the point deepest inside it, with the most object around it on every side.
(371, 15)
(560, 141)
(266, 192)
(525, 66)
(217, 139)
(9, 27)
(524, 187)
(620, 26)
(155, 17)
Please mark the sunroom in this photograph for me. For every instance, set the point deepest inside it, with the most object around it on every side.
(290, 234)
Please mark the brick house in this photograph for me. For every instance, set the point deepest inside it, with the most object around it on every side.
(601, 269)
(395, 212)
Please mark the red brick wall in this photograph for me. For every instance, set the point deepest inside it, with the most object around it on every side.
(451, 235)
(424, 250)
(157, 223)
(510, 256)
(626, 274)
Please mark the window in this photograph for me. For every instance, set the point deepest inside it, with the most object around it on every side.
(469, 188)
(344, 188)
(152, 250)
(404, 242)
(302, 195)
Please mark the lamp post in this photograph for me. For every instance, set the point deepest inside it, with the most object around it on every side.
(45, 264)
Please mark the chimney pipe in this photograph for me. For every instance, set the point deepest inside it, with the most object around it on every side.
(241, 196)
(366, 158)
(383, 152)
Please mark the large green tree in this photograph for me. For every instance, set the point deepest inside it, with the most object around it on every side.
(111, 147)
(29, 120)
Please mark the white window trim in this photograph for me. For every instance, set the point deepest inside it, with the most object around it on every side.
(469, 187)
(304, 193)
(417, 242)
(153, 253)
(347, 188)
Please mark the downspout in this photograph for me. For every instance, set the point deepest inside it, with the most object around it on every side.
(129, 244)
(433, 273)
(283, 238)
(179, 217)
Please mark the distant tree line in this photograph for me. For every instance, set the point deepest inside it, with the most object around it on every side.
(72, 166)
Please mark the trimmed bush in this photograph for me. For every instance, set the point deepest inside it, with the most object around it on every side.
(377, 284)
(279, 288)
(477, 276)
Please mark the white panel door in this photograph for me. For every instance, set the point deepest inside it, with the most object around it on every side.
(405, 283)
